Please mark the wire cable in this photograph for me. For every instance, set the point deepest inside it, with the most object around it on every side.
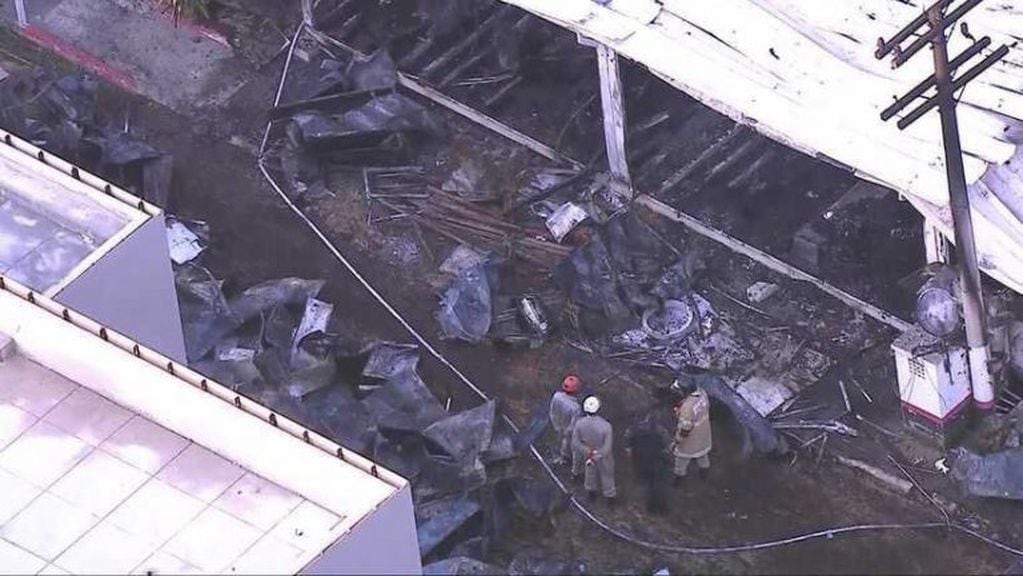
(827, 533)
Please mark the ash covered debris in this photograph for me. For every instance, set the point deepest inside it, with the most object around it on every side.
(995, 475)
(60, 114)
(275, 342)
(343, 113)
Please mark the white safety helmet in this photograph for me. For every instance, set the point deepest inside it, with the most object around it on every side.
(591, 405)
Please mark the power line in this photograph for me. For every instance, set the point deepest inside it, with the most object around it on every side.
(827, 533)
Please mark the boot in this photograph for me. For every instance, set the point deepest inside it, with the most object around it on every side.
(611, 501)
(591, 495)
(678, 481)
(704, 473)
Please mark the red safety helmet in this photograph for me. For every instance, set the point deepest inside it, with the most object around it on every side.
(571, 384)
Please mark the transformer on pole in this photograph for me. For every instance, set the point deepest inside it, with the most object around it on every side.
(932, 28)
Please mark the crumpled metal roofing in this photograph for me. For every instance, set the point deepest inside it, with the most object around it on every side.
(803, 72)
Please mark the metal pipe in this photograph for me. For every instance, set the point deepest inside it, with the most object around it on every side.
(962, 221)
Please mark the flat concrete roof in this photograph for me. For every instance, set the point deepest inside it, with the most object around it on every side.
(113, 459)
(56, 221)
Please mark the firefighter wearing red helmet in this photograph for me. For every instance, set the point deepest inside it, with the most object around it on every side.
(564, 411)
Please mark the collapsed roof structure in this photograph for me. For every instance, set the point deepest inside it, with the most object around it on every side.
(803, 72)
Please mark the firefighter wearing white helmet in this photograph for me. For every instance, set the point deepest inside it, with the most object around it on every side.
(592, 451)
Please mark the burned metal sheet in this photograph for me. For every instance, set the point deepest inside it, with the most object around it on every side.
(404, 403)
(374, 72)
(314, 319)
(404, 454)
(589, 278)
(364, 125)
(466, 309)
(995, 475)
(388, 359)
(265, 296)
(312, 365)
(121, 149)
(441, 520)
(342, 417)
(205, 315)
(465, 437)
(536, 425)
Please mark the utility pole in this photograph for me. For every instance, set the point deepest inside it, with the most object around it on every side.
(930, 28)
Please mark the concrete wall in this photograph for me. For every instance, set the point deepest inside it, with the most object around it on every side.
(384, 542)
(131, 290)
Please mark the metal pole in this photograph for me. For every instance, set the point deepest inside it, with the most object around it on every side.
(962, 221)
(19, 7)
(307, 14)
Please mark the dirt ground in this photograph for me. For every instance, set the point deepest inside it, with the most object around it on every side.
(255, 237)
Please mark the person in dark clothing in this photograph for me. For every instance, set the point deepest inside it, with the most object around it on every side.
(647, 442)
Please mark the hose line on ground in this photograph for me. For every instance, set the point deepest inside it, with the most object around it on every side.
(586, 513)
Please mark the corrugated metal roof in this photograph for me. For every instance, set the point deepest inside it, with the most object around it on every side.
(803, 72)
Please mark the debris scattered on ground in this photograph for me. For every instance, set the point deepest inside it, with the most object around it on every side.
(995, 475)
(438, 521)
(60, 115)
(564, 219)
(460, 259)
(470, 182)
(347, 113)
(186, 239)
(532, 562)
(466, 309)
(893, 482)
(275, 341)
(759, 435)
(761, 291)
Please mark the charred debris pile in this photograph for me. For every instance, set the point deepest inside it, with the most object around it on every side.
(277, 342)
(597, 275)
(60, 115)
(602, 277)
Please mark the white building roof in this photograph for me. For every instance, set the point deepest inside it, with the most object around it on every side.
(803, 72)
(113, 459)
(53, 226)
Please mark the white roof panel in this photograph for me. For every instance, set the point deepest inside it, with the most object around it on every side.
(803, 72)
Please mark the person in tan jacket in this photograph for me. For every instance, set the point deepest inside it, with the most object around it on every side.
(692, 434)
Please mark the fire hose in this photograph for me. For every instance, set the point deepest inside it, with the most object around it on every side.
(827, 533)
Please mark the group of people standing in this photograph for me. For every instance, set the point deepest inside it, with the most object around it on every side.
(586, 440)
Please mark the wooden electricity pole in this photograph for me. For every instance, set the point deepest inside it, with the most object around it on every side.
(931, 28)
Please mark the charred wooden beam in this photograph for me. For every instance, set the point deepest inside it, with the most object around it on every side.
(471, 40)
